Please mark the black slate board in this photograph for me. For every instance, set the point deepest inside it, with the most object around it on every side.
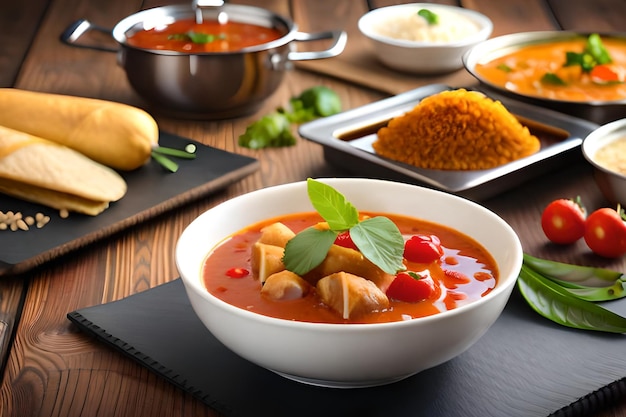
(524, 366)
(151, 191)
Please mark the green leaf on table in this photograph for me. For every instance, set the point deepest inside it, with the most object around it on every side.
(273, 130)
(576, 274)
(585, 282)
(596, 294)
(314, 102)
(554, 303)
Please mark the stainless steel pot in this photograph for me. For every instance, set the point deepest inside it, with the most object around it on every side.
(207, 85)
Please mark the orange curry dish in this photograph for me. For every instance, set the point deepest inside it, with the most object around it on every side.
(578, 70)
(447, 268)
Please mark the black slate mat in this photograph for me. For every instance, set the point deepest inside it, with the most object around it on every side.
(151, 191)
(525, 366)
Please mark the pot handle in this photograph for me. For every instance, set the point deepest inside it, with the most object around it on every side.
(340, 39)
(77, 29)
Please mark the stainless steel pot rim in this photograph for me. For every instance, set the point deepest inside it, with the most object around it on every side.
(505, 44)
(239, 13)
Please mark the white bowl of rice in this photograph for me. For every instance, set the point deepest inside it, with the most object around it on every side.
(424, 38)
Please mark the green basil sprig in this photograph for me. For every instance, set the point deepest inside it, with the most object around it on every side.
(378, 238)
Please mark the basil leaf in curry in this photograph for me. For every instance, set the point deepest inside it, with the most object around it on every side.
(552, 78)
(379, 239)
(308, 249)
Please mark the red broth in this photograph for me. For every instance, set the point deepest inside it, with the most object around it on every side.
(213, 36)
(461, 254)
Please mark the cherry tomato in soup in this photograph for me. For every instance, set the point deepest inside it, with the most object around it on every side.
(423, 249)
(344, 239)
(605, 233)
(410, 287)
(563, 221)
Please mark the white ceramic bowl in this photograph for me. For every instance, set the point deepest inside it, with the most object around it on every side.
(425, 57)
(611, 183)
(348, 355)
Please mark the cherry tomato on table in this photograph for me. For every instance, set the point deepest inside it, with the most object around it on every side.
(563, 221)
(605, 232)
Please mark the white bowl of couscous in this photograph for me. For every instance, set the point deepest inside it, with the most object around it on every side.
(424, 38)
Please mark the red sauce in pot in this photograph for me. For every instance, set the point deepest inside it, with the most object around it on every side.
(209, 36)
(467, 273)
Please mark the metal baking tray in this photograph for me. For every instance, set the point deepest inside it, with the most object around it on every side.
(347, 138)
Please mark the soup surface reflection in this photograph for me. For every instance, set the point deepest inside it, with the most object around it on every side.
(466, 273)
(209, 36)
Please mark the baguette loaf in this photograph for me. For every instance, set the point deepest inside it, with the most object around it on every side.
(114, 134)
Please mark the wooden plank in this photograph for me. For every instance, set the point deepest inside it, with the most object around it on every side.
(19, 22)
(18, 26)
(598, 16)
(514, 16)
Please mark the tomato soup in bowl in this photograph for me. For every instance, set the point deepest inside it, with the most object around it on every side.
(321, 350)
(460, 272)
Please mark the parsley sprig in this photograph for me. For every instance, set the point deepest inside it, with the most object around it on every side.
(378, 238)
(274, 129)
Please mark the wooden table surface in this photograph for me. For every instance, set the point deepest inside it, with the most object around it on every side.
(48, 367)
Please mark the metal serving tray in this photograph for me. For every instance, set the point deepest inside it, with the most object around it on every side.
(347, 138)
